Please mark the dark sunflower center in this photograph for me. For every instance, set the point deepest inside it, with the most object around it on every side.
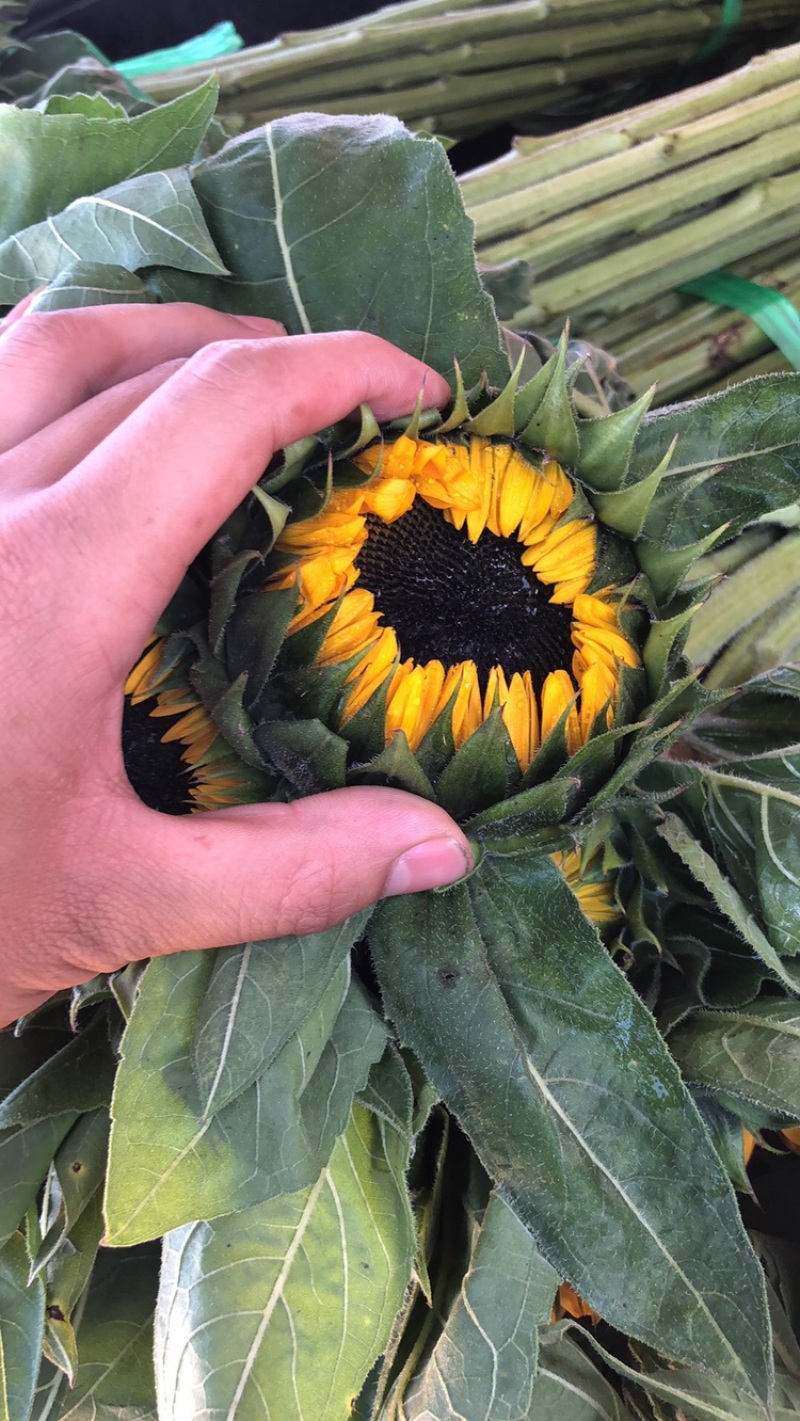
(451, 600)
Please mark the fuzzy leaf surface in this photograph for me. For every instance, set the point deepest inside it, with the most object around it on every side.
(558, 1074)
(753, 1054)
(348, 223)
(280, 1311)
(21, 1330)
(568, 1384)
(145, 221)
(737, 457)
(49, 159)
(484, 1362)
(260, 993)
(169, 1163)
(754, 808)
(93, 284)
(115, 1380)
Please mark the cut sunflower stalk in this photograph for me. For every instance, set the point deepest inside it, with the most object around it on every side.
(460, 67)
(621, 212)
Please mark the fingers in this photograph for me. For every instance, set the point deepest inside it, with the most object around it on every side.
(268, 870)
(189, 454)
(47, 456)
(52, 361)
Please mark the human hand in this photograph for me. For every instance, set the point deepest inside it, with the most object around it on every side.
(129, 434)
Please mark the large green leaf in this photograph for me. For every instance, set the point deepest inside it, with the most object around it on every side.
(737, 909)
(335, 223)
(258, 996)
(753, 1054)
(49, 159)
(754, 809)
(169, 1163)
(114, 1381)
(21, 1331)
(280, 1311)
(38, 1114)
(558, 1074)
(568, 1385)
(737, 457)
(93, 284)
(483, 1364)
(143, 221)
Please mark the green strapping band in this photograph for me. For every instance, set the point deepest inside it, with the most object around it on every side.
(771, 311)
(729, 19)
(220, 39)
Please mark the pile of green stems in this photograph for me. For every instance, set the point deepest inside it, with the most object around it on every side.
(686, 346)
(457, 67)
(620, 211)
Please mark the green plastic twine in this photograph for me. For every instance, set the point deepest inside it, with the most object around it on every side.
(771, 311)
(220, 39)
(729, 19)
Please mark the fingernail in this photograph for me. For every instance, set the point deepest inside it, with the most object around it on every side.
(258, 323)
(430, 865)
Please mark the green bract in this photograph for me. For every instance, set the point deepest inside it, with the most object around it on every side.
(376, 1152)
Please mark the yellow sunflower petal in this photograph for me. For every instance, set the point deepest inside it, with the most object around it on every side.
(521, 718)
(413, 700)
(352, 629)
(371, 672)
(558, 693)
(467, 708)
(390, 498)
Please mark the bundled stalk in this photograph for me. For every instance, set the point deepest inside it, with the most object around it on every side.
(457, 67)
(619, 213)
(685, 346)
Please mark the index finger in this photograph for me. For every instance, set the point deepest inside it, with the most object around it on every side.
(148, 498)
(52, 361)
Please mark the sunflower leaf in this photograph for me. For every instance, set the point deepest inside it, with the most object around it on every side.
(138, 223)
(21, 1331)
(292, 201)
(295, 1298)
(484, 1361)
(707, 871)
(259, 994)
(754, 814)
(554, 1067)
(92, 284)
(569, 1385)
(737, 458)
(169, 1163)
(104, 145)
(753, 1054)
(114, 1378)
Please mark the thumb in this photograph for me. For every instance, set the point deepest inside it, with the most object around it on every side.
(269, 870)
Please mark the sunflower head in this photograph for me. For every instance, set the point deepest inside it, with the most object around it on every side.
(453, 605)
(462, 597)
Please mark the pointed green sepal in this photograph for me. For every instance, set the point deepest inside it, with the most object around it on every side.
(254, 636)
(552, 426)
(664, 644)
(481, 771)
(606, 444)
(666, 568)
(460, 411)
(626, 509)
(498, 417)
(412, 428)
(397, 767)
(369, 431)
(305, 753)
